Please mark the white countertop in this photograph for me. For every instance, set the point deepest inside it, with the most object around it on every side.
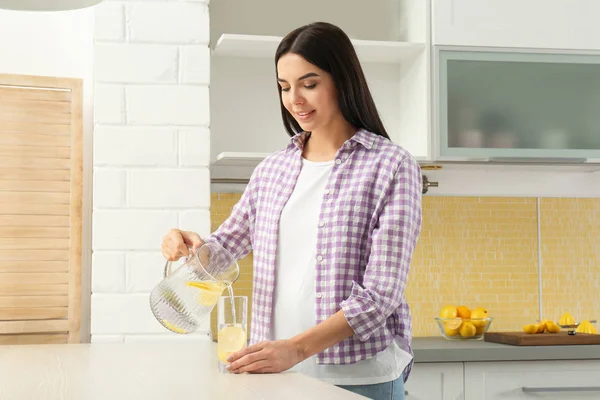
(157, 370)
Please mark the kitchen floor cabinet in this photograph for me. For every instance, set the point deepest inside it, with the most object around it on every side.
(505, 380)
(550, 380)
(435, 381)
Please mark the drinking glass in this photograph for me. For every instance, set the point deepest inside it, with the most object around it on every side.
(232, 323)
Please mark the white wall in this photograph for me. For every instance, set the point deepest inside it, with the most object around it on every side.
(151, 154)
(57, 44)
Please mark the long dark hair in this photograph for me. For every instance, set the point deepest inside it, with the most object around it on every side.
(329, 48)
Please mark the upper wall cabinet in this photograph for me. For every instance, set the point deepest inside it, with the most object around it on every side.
(549, 24)
(517, 105)
(391, 39)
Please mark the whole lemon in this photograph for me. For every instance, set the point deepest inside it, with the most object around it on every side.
(467, 329)
(449, 312)
(478, 313)
(463, 312)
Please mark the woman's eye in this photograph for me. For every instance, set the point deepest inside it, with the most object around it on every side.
(305, 86)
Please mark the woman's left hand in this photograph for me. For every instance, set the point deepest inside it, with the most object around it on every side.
(266, 357)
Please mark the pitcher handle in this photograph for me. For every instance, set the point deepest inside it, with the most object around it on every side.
(167, 269)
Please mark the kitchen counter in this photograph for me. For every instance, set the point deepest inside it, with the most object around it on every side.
(156, 370)
(186, 370)
(438, 349)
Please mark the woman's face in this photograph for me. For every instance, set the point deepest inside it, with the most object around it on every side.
(307, 92)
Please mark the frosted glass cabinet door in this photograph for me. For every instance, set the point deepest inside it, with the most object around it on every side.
(497, 104)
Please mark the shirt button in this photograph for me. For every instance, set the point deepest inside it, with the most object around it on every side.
(338, 161)
(322, 223)
(327, 191)
(320, 258)
(319, 295)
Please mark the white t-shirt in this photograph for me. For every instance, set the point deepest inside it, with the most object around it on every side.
(294, 309)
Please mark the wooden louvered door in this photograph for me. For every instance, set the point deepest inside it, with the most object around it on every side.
(40, 209)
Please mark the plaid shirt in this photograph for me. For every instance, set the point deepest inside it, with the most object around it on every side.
(370, 220)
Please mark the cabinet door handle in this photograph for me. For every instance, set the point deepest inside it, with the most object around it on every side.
(554, 160)
(560, 389)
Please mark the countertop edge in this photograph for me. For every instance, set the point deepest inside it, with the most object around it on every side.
(439, 350)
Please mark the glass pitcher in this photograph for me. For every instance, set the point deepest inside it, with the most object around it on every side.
(185, 297)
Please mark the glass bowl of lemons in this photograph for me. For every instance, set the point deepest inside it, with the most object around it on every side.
(462, 323)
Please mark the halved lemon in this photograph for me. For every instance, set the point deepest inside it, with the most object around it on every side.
(453, 323)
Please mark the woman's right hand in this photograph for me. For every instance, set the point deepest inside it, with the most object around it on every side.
(176, 243)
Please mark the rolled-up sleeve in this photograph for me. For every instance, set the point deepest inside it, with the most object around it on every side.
(393, 241)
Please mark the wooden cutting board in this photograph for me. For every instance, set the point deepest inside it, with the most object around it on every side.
(541, 339)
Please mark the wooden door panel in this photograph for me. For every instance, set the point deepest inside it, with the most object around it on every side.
(41, 189)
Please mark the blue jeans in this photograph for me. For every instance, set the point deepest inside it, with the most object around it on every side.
(393, 390)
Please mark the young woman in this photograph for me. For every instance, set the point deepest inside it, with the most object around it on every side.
(332, 220)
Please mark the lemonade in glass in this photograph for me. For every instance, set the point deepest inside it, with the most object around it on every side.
(232, 322)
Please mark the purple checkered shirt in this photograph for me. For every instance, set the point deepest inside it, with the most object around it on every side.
(372, 214)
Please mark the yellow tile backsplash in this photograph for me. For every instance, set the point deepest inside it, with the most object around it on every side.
(221, 206)
(570, 238)
(483, 252)
(476, 251)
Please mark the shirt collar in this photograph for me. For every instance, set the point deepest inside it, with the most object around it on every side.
(362, 136)
(299, 140)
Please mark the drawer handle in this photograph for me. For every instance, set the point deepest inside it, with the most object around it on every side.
(560, 389)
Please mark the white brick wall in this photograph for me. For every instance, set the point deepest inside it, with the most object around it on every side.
(131, 229)
(110, 22)
(195, 63)
(109, 188)
(122, 145)
(159, 22)
(151, 154)
(136, 63)
(167, 105)
(109, 102)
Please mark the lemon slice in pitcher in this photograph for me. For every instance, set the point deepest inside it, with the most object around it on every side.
(208, 299)
(209, 292)
(173, 327)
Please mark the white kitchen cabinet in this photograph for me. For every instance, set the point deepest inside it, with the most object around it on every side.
(435, 381)
(516, 103)
(553, 24)
(550, 380)
(245, 112)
